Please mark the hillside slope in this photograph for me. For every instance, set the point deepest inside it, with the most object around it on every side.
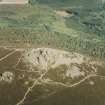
(52, 53)
(40, 25)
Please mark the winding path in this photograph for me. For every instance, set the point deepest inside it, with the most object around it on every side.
(21, 102)
(7, 55)
(41, 78)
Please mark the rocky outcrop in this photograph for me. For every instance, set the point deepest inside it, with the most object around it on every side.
(45, 58)
(61, 64)
(7, 77)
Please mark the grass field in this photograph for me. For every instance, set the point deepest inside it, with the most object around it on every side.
(39, 25)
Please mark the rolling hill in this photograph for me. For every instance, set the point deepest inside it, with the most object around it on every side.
(52, 52)
(41, 25)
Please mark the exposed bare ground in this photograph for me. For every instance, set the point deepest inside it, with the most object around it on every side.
(63, 14)
(46, 58)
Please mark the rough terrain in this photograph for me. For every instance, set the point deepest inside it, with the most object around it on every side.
(38, 73)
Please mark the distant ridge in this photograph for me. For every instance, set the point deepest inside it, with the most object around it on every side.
(87, 4)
